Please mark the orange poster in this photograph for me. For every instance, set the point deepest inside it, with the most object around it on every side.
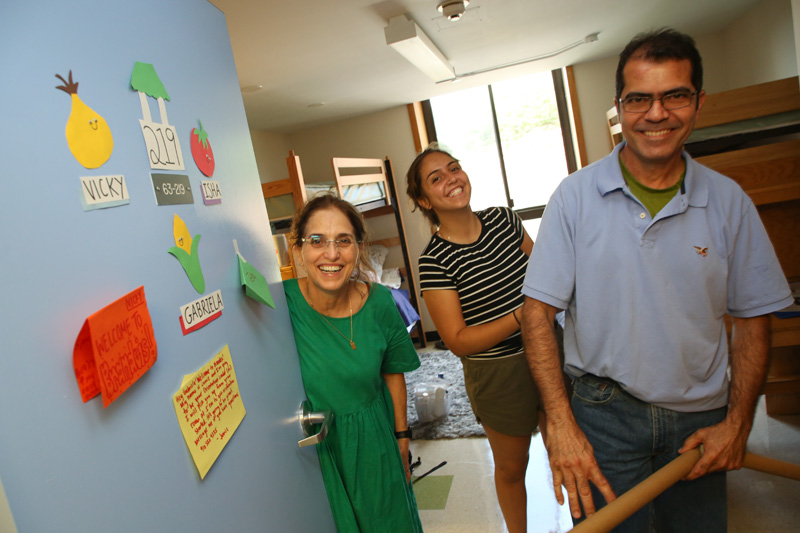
(115, 347)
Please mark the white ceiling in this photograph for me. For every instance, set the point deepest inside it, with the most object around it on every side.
(333, 52)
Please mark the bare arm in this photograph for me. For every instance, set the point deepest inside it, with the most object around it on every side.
(724, 443)
(571, 456)
(445, 309)
(397, 388)
(527, 243)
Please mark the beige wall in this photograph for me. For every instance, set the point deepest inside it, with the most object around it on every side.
(594, 83)
(271, 150)
(756, 48)
(796, 26)
(760, 45)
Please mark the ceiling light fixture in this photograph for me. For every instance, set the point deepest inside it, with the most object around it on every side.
(592, 37)
(411, 42)
(453, 9)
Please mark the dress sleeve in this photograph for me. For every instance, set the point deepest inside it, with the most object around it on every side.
(400, 355)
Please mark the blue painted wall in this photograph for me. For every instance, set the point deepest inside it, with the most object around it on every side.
(68, 466)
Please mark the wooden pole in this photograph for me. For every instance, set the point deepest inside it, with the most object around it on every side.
(771, 466)
(625, 505)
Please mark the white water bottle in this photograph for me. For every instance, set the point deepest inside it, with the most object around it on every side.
(441, 400)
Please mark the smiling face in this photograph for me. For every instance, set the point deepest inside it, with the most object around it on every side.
(329, 268)
(445, 185)
(655, 138)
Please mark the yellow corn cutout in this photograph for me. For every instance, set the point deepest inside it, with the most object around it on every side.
(183, 239)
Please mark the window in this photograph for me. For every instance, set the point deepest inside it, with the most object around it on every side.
(511, 139)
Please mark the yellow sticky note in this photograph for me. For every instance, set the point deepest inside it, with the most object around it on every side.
(209, 409)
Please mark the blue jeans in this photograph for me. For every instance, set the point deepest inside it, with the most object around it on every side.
(633, 439)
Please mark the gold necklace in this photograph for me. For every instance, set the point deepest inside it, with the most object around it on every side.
(447, 236)
(349, 303)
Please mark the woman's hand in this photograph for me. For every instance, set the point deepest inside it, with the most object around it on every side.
(396, 383)
(403, 445)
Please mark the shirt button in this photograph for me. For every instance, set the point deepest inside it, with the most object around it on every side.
(642, 215)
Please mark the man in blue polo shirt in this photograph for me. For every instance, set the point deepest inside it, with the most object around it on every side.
(647, 250)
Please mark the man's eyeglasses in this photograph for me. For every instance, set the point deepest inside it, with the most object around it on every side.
(318, 243)
(671, 101)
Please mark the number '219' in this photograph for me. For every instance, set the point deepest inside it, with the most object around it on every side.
(163, 146)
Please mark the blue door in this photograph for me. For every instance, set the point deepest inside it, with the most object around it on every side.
(71, 466)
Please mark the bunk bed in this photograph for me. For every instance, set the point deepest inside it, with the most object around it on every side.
(369, 185)
(752, 135)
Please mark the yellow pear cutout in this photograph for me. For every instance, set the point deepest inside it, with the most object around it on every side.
(88, 135)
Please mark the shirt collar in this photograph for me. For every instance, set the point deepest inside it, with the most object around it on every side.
(612, 180)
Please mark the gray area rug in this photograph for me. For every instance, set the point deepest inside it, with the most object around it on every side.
(460, 422)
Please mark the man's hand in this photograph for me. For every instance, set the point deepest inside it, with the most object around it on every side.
(573, 465)
(724, 446)
(725, 443)
(572, 459)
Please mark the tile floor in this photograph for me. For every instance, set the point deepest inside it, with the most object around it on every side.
(758, 503)
(472, 503)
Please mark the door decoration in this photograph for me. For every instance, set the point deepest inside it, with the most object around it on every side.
(98, 192)
(254, 283)
(160, 138)
(185, 251)
(202, 153)
(114, 348)
(200, 312)
(211, 192)
(172, 189)
(209, 409)
(88, 135)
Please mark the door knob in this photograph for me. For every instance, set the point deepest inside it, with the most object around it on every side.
(309, 419)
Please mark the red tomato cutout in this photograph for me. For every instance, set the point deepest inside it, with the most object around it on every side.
(202, 153)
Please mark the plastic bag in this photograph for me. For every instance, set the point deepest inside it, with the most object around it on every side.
(431, 399)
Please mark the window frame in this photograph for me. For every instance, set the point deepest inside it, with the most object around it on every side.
(568, 117)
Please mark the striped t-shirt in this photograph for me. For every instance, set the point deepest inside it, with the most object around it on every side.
(487, 274)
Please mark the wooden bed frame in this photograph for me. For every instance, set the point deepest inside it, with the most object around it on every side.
(765, 160)
(355, 171)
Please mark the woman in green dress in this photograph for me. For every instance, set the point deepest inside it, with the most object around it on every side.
(354, 349)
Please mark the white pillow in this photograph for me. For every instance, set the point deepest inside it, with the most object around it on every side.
(377, 256)
(391, 278)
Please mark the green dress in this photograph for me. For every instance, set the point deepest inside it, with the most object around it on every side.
(360, 460)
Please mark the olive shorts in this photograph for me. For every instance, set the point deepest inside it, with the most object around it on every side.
(502, 393)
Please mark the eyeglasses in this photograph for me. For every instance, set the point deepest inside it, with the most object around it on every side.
(671, 101)
(318, 243)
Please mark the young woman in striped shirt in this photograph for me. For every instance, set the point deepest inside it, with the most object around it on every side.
(471, 275)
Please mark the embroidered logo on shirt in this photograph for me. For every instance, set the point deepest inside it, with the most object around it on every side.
(701, 251)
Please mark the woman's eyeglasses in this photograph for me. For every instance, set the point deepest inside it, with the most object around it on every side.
(318, 242)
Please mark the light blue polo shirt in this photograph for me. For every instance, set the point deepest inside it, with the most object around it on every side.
(645, 297)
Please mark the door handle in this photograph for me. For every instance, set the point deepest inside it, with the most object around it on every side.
(309, 419)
